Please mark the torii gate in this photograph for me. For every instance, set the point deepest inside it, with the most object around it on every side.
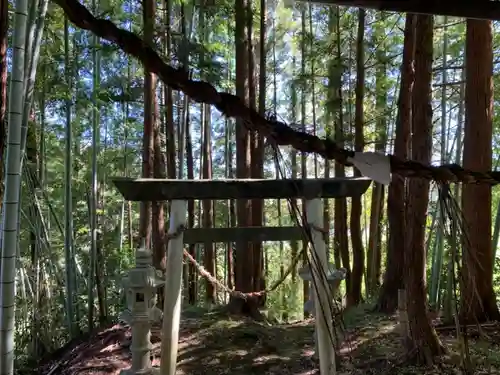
(179, 191)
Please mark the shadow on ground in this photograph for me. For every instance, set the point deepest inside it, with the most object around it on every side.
(215, 343)
(245, 347)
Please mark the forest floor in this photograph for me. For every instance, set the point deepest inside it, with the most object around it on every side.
(214, 343)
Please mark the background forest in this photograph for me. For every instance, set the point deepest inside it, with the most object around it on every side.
(93, 113)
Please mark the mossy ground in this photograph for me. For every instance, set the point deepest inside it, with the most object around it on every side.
(211, 342)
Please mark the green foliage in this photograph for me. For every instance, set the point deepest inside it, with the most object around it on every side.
(303, 61)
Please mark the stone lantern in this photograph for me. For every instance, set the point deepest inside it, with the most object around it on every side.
(140, 288)
(333, 277)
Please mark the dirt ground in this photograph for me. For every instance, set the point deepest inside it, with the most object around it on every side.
(214, 343)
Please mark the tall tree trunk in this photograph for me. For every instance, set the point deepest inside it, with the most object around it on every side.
(167, 154)
(209, 251)
(125, 160)
(145, 223)
(424, 342)
(228, 154)
(39, 347)
(169, 105)
(478, 300)
(303, 155)
(258, 156)
(232, 213)
(243, 262)
(294, 246)
(155, 154)
(158, 208)
(374, 253)
(393, 277)
(208, 205)
(256, 207)
(192, 285)
(340, 212)
(358, 255)
(93, 199)
(102, 295)
(69, 253)
(100, 281)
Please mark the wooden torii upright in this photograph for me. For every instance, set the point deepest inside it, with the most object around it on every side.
(179, 191)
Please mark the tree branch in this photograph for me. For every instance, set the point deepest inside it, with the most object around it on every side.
(232, 106)
(480, 9)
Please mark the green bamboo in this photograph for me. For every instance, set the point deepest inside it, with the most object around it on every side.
(10, 228)
(95, 153)
(68, 214)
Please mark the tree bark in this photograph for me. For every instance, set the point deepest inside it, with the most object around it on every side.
(100, 282)
(169, 104)
(374, 253)
(258, 156)
(358, 254)
(232, 212)
(243, 260)
(209, 251)
(155, 156)
(208, 205)
(303, 156)
(393, 277)
(424, 343)
(158, 208)
(191, 277)
(149, 118)
(478, 297)
(341, 241)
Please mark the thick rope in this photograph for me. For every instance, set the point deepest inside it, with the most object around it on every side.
(232, 292)
(232, 106)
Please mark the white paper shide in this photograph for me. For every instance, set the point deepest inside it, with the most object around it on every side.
(374, 165)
